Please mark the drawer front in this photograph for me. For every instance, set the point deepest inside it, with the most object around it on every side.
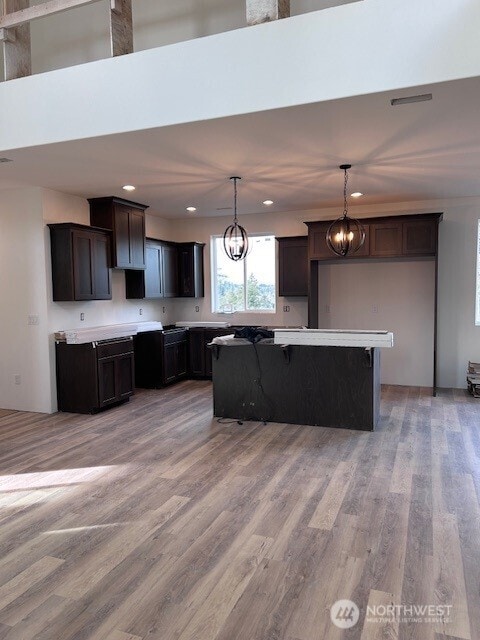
(175, 336)
(114, 348)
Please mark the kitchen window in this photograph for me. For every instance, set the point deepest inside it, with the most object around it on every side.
(247, 285)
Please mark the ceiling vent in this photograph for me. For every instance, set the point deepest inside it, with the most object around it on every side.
(425, 97)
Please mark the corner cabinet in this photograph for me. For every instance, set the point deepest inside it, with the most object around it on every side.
(173, 270)
(160, 358)
(160, 277)
(126, 220)
(293, 266)
(94, 376)
(80, 262)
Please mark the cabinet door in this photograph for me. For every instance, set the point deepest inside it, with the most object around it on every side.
(181, 359)
(83, 265)
(292, 267)
(420, 237)
(124, 375)
(107, 384)
(169, 363)
(101, 268)
(196, 352)
(170, 271)
(137, 239)
(318, 248)
(386, 239)
(190, 266)
(122, 250)
(153, 272)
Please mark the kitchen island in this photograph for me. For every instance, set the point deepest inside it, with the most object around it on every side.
(301, 378)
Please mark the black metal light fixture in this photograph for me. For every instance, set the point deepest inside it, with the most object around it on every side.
(345, 235)
(235, 238)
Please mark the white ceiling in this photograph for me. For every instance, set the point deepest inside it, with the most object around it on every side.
(418, 151)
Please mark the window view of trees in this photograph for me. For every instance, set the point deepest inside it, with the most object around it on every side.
(248, 285)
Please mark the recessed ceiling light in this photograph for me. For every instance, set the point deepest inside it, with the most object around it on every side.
(424, 97)
(129, 187)
(268, 202)
(5, 160)
(356, 194)
(191, 209)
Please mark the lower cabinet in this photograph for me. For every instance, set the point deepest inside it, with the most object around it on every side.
(160, 358)
(94, 376)
(200, 357)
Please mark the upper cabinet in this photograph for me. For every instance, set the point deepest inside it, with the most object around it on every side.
(80, 262)
(190, 270)
(126, 220)
(160, 278)
(385, 237)
(293, 266)
(173, 270)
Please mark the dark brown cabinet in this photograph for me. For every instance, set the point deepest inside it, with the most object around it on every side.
(386, 237)
(126, 220)
(160, 278)
(293, 266)
(80, 262)
(94, 376)
(200, 356)
(160, 358)
(419, 238)
(190, 270)
(319, 250)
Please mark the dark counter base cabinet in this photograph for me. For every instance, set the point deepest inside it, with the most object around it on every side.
(91, 376)
(199, 356)
(80, 262)
(160, 358)
(126, 220)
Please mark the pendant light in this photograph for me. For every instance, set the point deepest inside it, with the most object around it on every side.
(346, 235)
(235, 238)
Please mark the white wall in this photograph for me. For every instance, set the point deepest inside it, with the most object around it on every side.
(393, 295)
(23, 347)
(383, 46)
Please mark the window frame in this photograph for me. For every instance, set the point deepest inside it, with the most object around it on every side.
(213, 268)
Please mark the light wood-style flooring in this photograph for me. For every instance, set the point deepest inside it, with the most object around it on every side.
(154, 521)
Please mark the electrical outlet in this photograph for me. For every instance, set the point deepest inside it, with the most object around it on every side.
(286, 308)
(164, 309)
(33, 320)
(197, 308)
(374, 308)
(17, 378)
(327, 308)
(82, 317)
(140, 312)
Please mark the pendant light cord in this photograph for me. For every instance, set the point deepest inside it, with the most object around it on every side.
(235, 200)
(345, 205)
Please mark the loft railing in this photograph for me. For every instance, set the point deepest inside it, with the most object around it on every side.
(16, 16)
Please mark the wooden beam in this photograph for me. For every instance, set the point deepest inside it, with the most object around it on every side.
(19, 17)
(121, 27)
(17, 57)
(259, 11)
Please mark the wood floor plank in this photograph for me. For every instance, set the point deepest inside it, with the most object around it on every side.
(331, 501)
